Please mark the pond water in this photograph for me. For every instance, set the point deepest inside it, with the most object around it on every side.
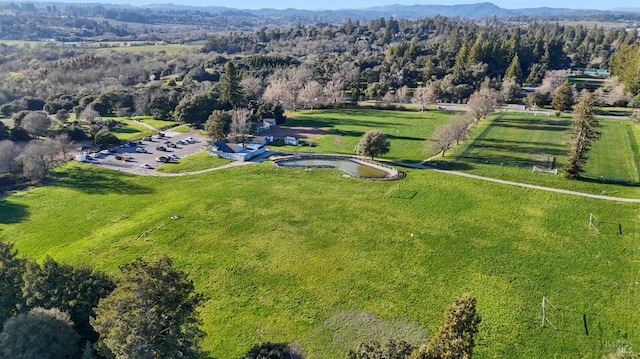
(351, 167)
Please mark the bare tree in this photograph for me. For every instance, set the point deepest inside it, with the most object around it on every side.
(64, 144)
(402, 94)
(275, 91)
(253, 87)
(310, 93)
(90, 115)
(552, 81)
(9, 152)
(424, 96)
(334, 91)
(337, 141)
(444, 136)
(36, 123)
(37, 158)
(482, 103)
(240, 122)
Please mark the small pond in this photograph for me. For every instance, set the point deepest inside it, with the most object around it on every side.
(351, 167)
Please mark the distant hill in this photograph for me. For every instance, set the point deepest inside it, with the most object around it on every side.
(470, 11)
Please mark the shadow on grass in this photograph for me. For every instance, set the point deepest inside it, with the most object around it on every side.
(96, 181)
(126, 130)
(449, 165)
(614, 181)
(11, 213)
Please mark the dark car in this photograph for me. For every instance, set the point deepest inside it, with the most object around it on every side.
(161, 148)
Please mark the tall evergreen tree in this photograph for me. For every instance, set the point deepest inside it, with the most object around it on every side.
(563, 99)
(514, 71)
(231, 94)
(583, 132)
(11, 270)
(152, 313)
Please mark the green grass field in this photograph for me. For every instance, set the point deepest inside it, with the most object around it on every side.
(518, 140)
(508, 145)
(182, 128)
(327, 261)
(612, 156)
(406, 130)
(196, 162)
(159, 124)
(131, 130)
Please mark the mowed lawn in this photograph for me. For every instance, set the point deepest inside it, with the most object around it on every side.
(406, 130)
(326, 261)
(507, 146)
(195, 162)
(519, 140)
(158, 124)
(612, 156)
(131, 130)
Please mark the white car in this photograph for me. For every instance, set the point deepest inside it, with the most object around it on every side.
(173, 157)
(144, 165)
(141, 150)
(190, 139)
(105, 152)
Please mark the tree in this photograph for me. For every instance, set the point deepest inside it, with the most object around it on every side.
(456, 337)
(11, 270)
(240, 122)
(482, 103)
(64, 144)
(36, 123)
(552, 81)
(270, 350)
(334, 91)
(537, 99)
(510, 90)
(37, 158)
(373, 143)
(444, 136)
(217, 126)
(337, 141)
(74, 290)
(104, 138)
(152, 313)
(514, 71)
(424, 96)
(310, 93)
(583, 132)
(62, 115)
(39, 333)
(373, 350)
(563, 99)
(230, 90)
(9, 153)
(196, 109)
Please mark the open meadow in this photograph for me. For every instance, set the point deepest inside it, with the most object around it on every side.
(406, 130)
(327, 261)
(508, 145)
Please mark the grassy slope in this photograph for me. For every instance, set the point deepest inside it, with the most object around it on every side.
(285, 254)
(131, 130)
(197, 161)
(406, 130)
(159, 124)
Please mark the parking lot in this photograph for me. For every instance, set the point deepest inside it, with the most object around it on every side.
(138, 159)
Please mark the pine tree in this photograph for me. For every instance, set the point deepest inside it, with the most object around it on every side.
(563, 99)
(230, 90)
(583, 132)
(514, 71)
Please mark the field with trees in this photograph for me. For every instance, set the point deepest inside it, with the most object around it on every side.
(304, 256)
(313, 257)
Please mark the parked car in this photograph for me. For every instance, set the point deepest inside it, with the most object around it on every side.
(173, 157)
(157, 137)
(105, 152)
(171, 144)
(141, 150)
(190, 139)
(146, 166)
(161, 148)
(148, 138)
(163, 159)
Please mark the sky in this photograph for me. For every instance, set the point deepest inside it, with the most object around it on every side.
(342, 4)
